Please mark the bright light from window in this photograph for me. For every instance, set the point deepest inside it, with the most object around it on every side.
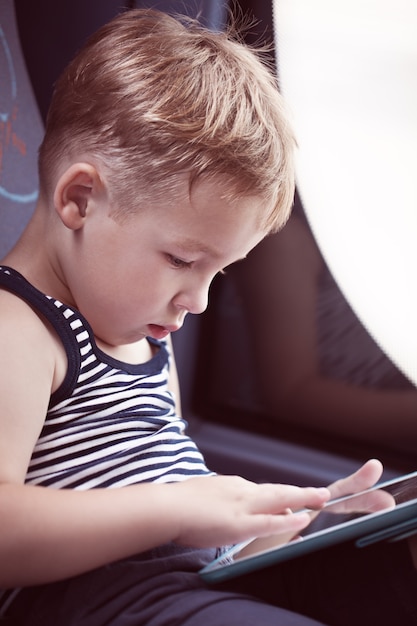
(349, 73)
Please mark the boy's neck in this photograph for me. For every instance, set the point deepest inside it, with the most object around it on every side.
(33, 258)
(133, 353)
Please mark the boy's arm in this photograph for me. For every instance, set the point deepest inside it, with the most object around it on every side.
(27, 372)
(48, 534)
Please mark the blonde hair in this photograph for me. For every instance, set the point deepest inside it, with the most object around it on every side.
(151, 96)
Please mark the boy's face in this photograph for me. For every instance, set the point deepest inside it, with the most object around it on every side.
(141, 277)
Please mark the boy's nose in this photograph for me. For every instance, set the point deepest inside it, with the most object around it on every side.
(193, 300)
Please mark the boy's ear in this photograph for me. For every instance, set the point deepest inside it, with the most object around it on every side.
(74, 193)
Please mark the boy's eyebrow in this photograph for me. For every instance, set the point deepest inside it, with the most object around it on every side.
(191, 246)
(194, 245)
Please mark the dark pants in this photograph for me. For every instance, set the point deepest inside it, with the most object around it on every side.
(341, 586)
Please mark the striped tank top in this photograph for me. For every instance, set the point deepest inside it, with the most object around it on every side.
(110, 424)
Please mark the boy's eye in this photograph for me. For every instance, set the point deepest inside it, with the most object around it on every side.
(177, 262)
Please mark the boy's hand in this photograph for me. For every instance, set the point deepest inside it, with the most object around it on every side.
(221, 510)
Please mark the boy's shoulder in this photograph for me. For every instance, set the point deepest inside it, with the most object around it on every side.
(24, 333)
(14, 311)
(27, 371)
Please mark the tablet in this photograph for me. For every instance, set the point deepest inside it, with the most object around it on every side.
(387, 511)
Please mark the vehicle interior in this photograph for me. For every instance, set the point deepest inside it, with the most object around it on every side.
(246, 389)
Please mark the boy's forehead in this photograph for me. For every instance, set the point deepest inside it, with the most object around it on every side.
(210, 219)
(225, 236)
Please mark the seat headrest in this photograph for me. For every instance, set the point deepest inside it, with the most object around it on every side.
(21, 131)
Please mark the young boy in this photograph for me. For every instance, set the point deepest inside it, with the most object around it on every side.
(167, 156)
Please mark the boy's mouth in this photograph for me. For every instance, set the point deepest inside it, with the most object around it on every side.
(160, 332)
